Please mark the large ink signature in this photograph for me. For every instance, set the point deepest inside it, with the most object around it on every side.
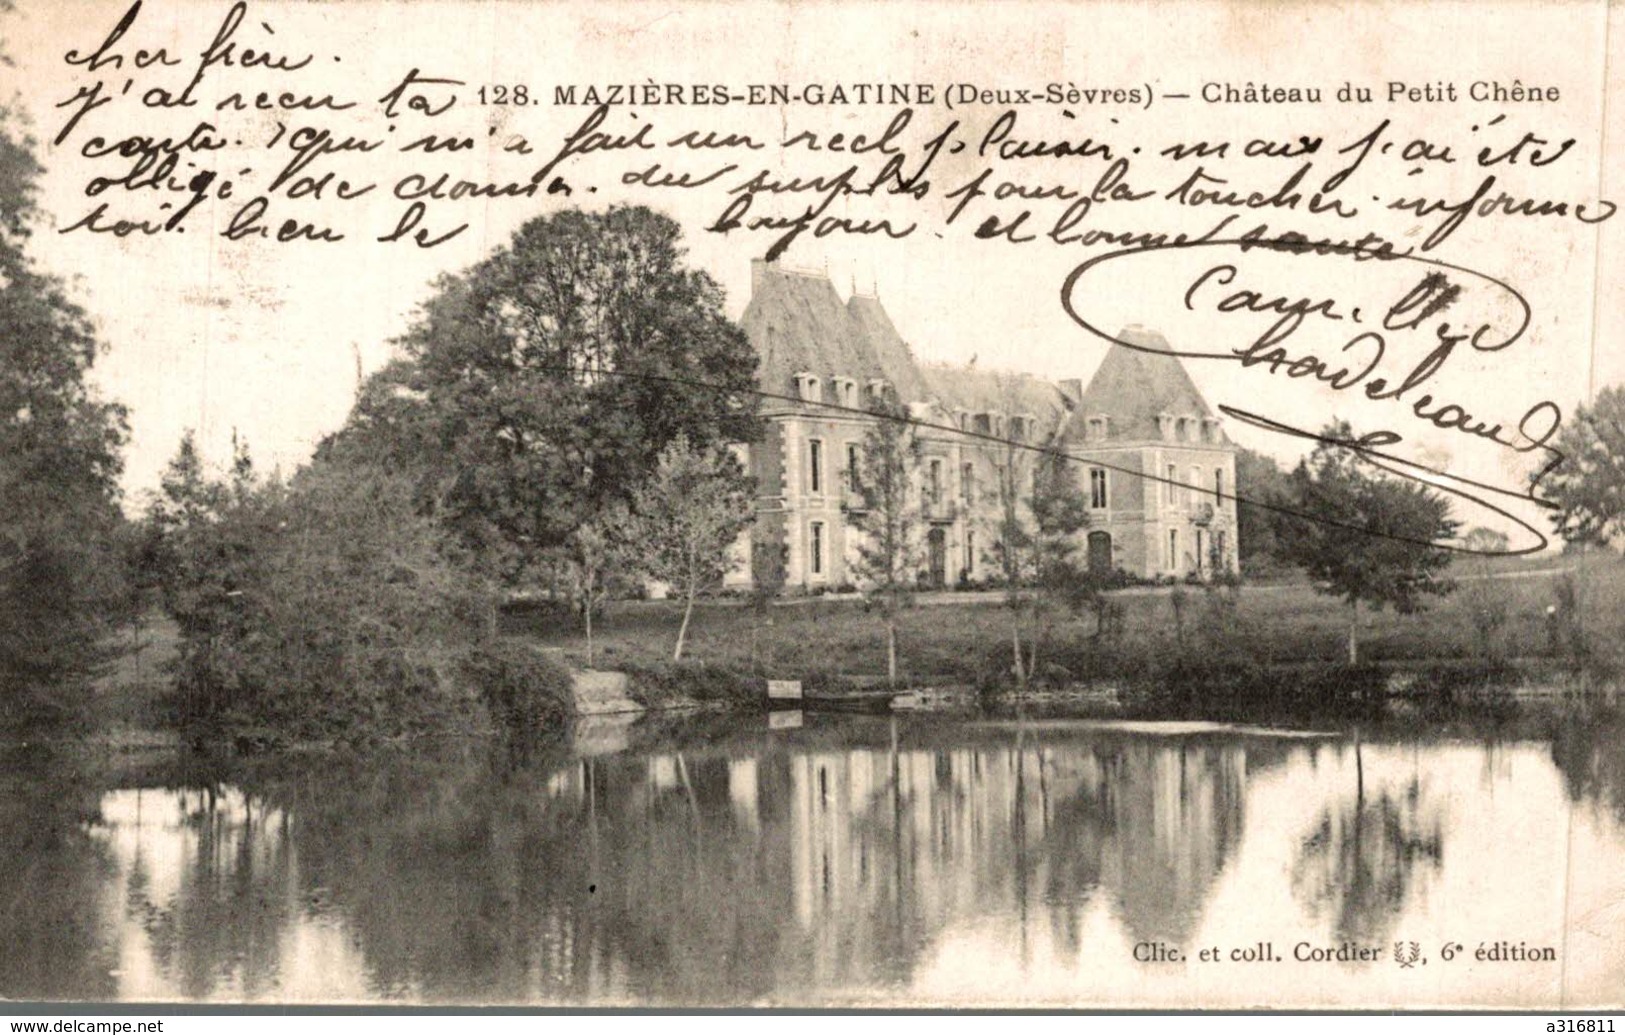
(1380, 334)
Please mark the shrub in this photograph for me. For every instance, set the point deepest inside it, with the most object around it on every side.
(1179, 600)
(824, 680)
(1486, 687)
(1568, 633)
(324, 609)
(1220, 629)
(525, 691)
(673, 682)
(1199, 678)
(538, 614)
(1061, 665)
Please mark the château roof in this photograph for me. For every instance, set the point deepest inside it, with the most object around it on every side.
(896, 360)
(1134, 387)
(798, 325)
(988, 391)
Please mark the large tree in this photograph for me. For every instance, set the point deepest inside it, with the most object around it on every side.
(1365, 536)
(542, 384)
(1042, 510)
(1261, 488)
(325, 607)
(1588, 486)
(596, 551)
(59, 466)
(686, 517)
(887, 519)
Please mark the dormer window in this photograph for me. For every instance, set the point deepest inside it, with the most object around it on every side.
(880, 390)
(1210, 429)
(1018, 428)
(1098, 428)
(809, 387)
(982, 423)
(846, 392)
(1165, 426)
(1182, 429)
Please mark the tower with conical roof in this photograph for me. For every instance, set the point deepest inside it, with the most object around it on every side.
(1157, 468)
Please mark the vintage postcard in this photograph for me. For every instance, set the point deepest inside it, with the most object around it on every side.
(813, 504)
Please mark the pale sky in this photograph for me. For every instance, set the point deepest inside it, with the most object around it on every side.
(217, 335)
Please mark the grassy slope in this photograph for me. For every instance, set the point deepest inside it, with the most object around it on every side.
(131, 699)
(958, 639)
(1279, 624)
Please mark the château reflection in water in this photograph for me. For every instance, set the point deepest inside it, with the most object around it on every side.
(849, 860)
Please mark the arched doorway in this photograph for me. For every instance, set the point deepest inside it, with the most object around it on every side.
(1100, 553)
(936, 542)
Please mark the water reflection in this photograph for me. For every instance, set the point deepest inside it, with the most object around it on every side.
(849, 859)
(1361, 859)
(1592, 761)
(55, 875)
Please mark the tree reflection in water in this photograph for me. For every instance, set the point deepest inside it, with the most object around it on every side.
(1361, 860)
(717, 863)
(1591, 757)
(733, 873)
(53, 880)
(221, 931)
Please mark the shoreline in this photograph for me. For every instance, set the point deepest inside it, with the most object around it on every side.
(1432, 689)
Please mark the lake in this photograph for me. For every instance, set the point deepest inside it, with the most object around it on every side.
(815, 859)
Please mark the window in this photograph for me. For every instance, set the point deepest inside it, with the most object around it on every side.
(970, 554)
(934, 487)
(809, 387)
(815, 465)
(1170, 488)
(815, 547)
(1193, 491)
(854, 476)
(1201, 548)
(967, 483)
(1223, 561)
(1097, 488)
(1218, 486)
(1173, 549)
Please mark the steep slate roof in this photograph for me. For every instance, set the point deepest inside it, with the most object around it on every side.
(872, 326)
(798, 323)
(987, 391)
(1132, 388)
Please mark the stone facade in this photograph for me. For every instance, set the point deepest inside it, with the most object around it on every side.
(1152, 461)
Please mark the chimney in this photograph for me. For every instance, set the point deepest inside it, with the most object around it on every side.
(758, 273)
(1072, 388)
